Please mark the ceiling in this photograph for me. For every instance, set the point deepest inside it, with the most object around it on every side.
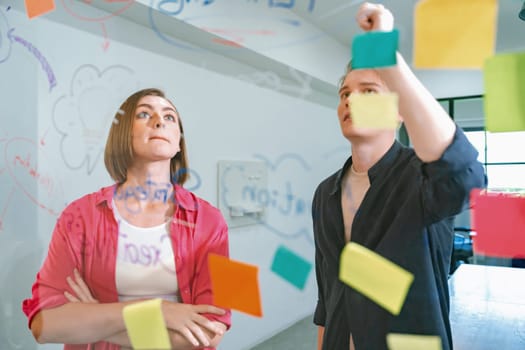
(288, 37)
(337, 19)
(263, 25)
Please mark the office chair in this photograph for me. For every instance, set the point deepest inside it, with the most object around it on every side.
(462, 250)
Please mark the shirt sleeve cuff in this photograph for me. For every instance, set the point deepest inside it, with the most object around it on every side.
(457, 156)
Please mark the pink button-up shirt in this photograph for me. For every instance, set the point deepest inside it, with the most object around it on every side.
(85, 237)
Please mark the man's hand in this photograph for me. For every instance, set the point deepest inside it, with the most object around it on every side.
(375, 17)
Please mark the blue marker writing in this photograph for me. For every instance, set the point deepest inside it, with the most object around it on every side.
(5, 42)
(289, 4)
(43, 62)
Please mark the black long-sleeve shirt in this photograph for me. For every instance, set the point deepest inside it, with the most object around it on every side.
(407, 217)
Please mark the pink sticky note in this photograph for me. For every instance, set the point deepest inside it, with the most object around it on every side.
(499, 222)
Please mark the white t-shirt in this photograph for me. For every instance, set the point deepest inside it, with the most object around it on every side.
(353, 189)
(145, 266)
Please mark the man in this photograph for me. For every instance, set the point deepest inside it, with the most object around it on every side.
(396, 201)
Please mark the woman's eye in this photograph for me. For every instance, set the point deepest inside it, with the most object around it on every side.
(369, 91)
(345, 95)
(170, 117)
(142, 115)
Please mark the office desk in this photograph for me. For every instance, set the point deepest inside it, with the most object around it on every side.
(487, 308)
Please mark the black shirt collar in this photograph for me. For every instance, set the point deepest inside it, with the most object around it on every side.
(380, 167)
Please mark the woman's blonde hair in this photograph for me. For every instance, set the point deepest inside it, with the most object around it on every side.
(118, 154)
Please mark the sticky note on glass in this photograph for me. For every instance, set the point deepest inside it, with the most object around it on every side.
(374, 276)
(291, 267)
(35, 8)
(504, 100)
(377, 111)
(498, 220)
(375, 49)
(454, 34)
(235, 285)
(145, 325)
(397, 341)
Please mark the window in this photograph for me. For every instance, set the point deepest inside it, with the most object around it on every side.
(503, 155)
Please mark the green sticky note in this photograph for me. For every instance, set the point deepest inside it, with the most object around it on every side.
(375, 49)
(396, 341)
(145, 325)
(375, 111)
(291, 267)
(374, 276)
(504, 100)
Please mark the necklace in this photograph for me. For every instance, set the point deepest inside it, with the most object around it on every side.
(355, 172)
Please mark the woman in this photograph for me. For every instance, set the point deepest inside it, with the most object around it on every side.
(144, 237)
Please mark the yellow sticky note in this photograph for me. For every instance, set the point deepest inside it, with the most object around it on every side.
(454, 33)
(377, 111)
(145, 325)
(504, 101)
(374, 276)
(397, 341)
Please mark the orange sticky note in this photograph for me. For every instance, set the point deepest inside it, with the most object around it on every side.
(235, 285)
(35, 8)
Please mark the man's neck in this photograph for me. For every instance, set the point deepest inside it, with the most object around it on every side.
(366, 153)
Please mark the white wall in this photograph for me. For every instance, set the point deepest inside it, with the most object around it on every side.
(272, 100)
(20, 248)
(229, 112)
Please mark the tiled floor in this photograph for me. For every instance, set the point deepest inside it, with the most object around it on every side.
(302, 335)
